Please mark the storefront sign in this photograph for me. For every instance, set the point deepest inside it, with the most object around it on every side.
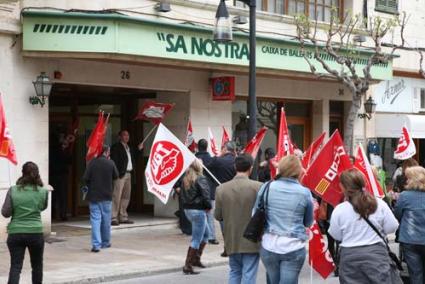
(119, 34)
(223, 88)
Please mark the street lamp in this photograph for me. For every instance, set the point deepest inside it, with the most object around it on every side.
(369, 107)
(223, 33)
(43, 87)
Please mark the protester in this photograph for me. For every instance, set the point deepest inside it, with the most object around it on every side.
(234, 202)
(196, 201)
(24, 203)
(184, 223)
(124, 160)
(99, 177)
(206, 160)
(363, 256)
(264, 169)
(288, 213)
(223, 168)
(410, 211)
(400, 180)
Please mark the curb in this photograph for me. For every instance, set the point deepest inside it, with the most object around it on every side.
(132, 275)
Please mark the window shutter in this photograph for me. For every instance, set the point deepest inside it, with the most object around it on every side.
(387, 6)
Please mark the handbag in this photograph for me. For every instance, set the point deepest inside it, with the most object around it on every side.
(255, 228)
(395, 263)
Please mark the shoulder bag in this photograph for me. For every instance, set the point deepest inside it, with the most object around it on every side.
(395, 263)
(255, 228)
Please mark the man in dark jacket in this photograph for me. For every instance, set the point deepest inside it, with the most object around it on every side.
(206, 160)
(123, 157)
(99, 176)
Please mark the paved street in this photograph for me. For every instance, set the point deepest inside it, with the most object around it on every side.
(218, 275)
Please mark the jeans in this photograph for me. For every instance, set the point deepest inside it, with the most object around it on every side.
(100, 219)
(210, 219)
(17, 243)
(283, 268)
(200, 231)
(243, 268)
(415, 259)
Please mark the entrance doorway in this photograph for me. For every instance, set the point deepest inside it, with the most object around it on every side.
(73, 109)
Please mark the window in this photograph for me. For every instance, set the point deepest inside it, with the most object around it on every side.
(321, 9)
(387, 6)
(422, 100)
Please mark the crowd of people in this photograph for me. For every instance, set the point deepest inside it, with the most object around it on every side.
(224, 191)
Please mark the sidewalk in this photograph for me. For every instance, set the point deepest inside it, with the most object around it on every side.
(135, 252)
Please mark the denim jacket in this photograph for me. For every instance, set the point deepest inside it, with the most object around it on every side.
(410, 211)
(289, 210)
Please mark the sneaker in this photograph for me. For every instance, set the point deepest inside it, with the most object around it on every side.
(95, 250)
(127, 222)
(106, 246)
(213, 242)
(224, 254)
(115, 223)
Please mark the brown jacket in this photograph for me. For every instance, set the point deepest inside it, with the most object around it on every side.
(234, 201)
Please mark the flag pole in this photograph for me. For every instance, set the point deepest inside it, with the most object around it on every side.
(311, 272)
(214, 178)
(149, 134)
(10, 178)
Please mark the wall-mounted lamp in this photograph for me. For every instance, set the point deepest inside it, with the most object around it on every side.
(240, 20)
(163, 6)
(369, 107)
(43, 87)
(223, 24)
(359, 39)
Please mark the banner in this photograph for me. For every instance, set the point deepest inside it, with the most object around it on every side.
(319, 256)
(168, 160)
(284, 144)
(95, 142)
(406, 147)
(322, 177)
(225, 138)
(254, 145)
(313, 150)
(190, 141)
(153, 111)
(223, 88)
(7, 148)
(362, 164)
(213, 145)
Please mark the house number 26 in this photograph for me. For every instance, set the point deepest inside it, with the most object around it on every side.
(125, 75)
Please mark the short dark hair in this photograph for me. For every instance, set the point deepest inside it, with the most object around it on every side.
(105, 148)
(202, 145)
(121, 131)
(230, 146)
(243, 162)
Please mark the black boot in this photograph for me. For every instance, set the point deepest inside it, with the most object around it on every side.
(191, 254)
(197, 261)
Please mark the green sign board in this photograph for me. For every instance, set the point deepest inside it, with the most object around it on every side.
(118, 34)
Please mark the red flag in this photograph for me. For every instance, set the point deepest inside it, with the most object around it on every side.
(312, 151)
(213, 145)
(322, 177)
(95, 142)
(319, 257)
(153, 111)
(406, 147)
(362, 164)
(190, 141)
(284, 144)
(254, 145)
(168, 159)
(225, 138)
(7, 148)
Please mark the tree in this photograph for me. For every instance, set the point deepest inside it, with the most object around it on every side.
(337, 46)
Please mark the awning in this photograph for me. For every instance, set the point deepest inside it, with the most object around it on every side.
(388, 125)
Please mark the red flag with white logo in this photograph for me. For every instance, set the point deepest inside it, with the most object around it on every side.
(254, 145)
(213, 145)
(168, 160)
(406, 147)
(7, 148)
(190, 141)
(362, 164)
(312, 151)
(319, 256)
(95, 142)
(322, 177)
(153, 111)
(284, 144)
(225, 138)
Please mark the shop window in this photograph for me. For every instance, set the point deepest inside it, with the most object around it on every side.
(322, 9)
(422, 100)
(387, 6)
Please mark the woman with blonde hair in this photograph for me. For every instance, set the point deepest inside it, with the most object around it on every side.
(195, 194)
(289, 210)
(410, 211)
(364, 256)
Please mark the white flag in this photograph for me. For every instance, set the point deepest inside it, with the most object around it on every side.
(168, 160)
(213, 145)
(406, 147)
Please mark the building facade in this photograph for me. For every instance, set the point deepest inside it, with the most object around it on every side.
(115, 55)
